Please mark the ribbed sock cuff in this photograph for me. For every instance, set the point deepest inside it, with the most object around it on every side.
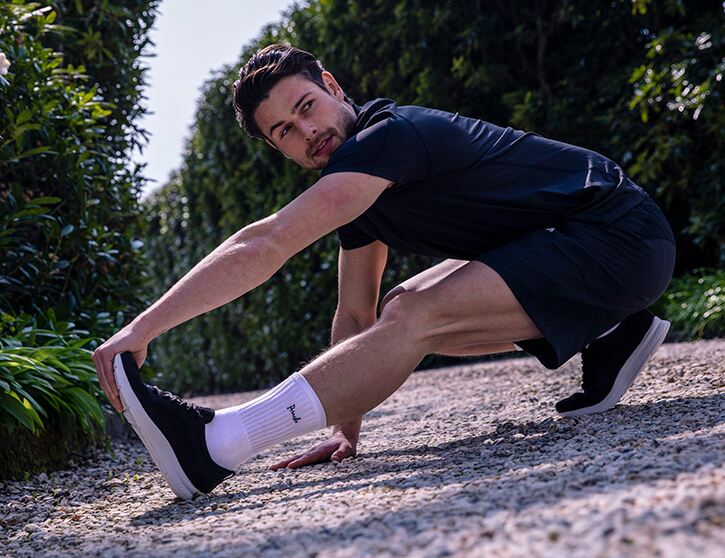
(289, 410)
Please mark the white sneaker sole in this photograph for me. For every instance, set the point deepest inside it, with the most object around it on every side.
(632, 367)
(156, 443)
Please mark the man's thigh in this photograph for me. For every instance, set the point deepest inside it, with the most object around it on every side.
(423, 280)
(463, 304)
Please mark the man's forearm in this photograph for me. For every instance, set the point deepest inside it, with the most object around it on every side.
(239, 264)
(344, 325)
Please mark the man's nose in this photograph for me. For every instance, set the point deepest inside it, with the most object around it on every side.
(310, 131)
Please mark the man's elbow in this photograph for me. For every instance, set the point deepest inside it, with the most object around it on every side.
(261, 243)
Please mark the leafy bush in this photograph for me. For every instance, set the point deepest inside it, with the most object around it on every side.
(47, 375)
(68, 198)
(69, 211)
(680, 149)
(695, 304)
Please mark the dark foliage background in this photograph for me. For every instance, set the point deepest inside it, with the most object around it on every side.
(637, 81)
(69, 211)
(72, 270)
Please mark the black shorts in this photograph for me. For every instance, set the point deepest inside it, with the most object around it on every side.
(579, 280)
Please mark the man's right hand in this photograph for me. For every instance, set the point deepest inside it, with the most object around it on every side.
(131, 339)
(336, 448)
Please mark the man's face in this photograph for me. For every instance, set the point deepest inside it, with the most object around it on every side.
(305, 122)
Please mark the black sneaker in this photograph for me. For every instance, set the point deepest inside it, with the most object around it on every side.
(611, 364)
(172, 430)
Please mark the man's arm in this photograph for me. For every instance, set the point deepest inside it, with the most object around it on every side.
(241, 263)
(251, 256)
(360, 273)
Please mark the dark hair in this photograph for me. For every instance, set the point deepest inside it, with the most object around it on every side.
(263, 71)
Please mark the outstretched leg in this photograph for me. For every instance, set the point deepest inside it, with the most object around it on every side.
(460, 310)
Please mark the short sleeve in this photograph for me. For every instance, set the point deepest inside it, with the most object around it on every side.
(390, 148)
(351, 236)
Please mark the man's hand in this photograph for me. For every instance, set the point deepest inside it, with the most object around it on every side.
(336, 448)
(130, 339)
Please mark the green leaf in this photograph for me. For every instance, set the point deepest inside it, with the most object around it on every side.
(35, 151)
(13, 407)
(44, 200)
(33, 403)
(23, 117)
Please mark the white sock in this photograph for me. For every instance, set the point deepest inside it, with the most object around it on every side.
(288, 410)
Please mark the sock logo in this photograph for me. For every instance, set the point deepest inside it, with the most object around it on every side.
(295, 418)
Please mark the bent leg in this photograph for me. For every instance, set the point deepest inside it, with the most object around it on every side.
(423, 280)
(429, 278)
(466, 309)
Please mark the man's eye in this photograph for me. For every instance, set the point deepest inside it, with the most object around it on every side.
(308, 104)
(284, 131)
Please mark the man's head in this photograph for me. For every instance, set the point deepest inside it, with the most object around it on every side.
(285, 96)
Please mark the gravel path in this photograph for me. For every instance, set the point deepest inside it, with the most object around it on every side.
(464, 461)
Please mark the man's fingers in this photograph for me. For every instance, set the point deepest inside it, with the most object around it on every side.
(313, 456)
(282, 464)
(342, 453)
(104, 369)
(338, 456)
(111, 381)
(328, 451)
(98, 363)
(116, 401)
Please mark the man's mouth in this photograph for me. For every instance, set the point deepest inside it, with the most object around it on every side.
(323, 146)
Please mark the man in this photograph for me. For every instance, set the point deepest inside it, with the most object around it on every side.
(550, 248)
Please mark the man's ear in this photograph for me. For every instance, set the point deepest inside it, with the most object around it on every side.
(332, 86)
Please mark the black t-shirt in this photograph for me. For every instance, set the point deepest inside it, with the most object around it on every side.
(463, 186)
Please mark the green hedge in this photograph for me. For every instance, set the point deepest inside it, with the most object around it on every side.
(633, 80)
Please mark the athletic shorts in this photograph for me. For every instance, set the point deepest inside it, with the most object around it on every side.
(579, 280)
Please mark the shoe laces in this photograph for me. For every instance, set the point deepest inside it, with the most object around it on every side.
(590, 358)
(195, 411)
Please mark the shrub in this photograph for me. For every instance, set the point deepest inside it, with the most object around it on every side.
(47, 375)
(69, 212)
(68, 199)
(695, 304)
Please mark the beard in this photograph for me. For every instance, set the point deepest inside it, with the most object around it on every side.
(343, 128)
(346, 121)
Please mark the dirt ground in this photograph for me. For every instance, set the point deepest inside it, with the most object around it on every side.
(462, 461)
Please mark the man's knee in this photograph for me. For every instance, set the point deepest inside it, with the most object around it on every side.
(392, 293)
(405, 309)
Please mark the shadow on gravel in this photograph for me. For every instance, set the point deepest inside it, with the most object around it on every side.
(514, 466)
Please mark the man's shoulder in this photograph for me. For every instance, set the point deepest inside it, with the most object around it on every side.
(373, 112)
(381, 123)
(383, 144)
(377, 110)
